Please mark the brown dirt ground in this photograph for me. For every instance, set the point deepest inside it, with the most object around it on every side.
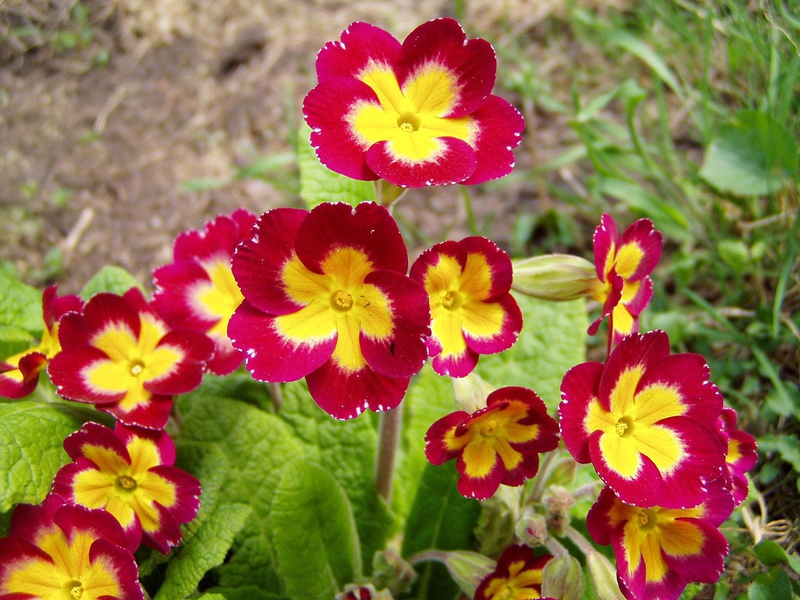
(98, 139)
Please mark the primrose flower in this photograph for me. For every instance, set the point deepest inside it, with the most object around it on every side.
(741, 454)
(198, 292)
(518, 576)
(56, 551)
(327, 298)
(659, 550)
(119, 355)
(472, 311)
(497, 444)
(415, 114)
(19, 374)
(646, 421)
(128, 472)
(623, 264)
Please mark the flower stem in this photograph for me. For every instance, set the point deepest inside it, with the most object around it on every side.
(579, 540)
(388, 439)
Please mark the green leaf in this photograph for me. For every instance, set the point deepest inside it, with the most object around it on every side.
(20, 305)
(32, 449)
(770, 553)
(256, 445)
(319, 184)
(110, 279)
(752, 156)
(552, 341)
(774, 585)
(429, 398)
(314, 532)
(13, 340)
(645, 53)
(247, 592)
(346, 450)
(440, 519)
(786, 445)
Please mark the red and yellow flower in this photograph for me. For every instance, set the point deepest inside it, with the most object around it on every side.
(128, 472)
(415, 114)
(57, 551)
(741, 454)
(646, 420)
(497, 444)
(623, 264)
(19, 374)
(472, 310)
(659, 550)
(198, 292)
(518, 576)
(119, 355)
(327, 298)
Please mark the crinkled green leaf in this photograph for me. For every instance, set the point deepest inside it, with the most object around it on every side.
(315, 533)
(247, 592)
(346, 449)
(257, 445)
(440, 519)
(319, 184)
(786, 445)
(429, 398)
(207, 549)
(13, 340)
(110, 279)
(20, 305)
(552, 341)
(753, 156)
(32, 449)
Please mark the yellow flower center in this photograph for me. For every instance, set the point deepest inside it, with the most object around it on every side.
(75, 589)
(342, 300)
(624, 427)
(408, 122)
(137, 366)
(126, 482)
(488, 429)
(647, 518)
(452, 300)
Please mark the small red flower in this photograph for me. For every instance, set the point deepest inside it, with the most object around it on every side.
(119, 355)
(646, 420)
(198, 292)
(415, 114)
(19, 374)
(327, 298)
(497, 444)
(57, 551)
(659, 550)
(741, 454)
(518, 576)
(623, 264)
(472, 310)
(128, 472)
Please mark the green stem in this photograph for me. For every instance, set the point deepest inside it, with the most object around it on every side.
(579, 540)
(388, 440)
(472, 224)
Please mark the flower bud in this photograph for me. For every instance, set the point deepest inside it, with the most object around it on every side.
(471, 392)
(498, 517)
(554, 277)
(562, 578)
(363, 592)
(557, 501)
(531, 528)
(390, 571)
(468, 569)
(603, 576)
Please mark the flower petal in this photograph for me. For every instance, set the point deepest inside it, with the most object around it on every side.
(417, 161)
(360, 45)
(498, 126)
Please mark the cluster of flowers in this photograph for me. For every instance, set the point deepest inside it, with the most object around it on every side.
(327, 295)
(129, 357)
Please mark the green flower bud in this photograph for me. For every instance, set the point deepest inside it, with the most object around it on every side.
(531, 528)
(562, 578)
(603, 577)
(389, 570)
(557, 501)
(471, 392)
(554, 277)
(499, 515)
(468, 569)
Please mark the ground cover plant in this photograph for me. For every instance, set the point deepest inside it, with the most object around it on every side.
(603, 404)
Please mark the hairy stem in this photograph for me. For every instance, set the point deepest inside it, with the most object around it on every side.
(388, 439)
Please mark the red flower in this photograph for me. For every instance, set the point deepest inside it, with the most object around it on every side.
(497, 444)
(198, 292)
(19, 374)
(472, 311)
(327, 298)
(623, 265)
(741, 454)
(646, 421)
(119, 355)
(659, 550)
(128, 472)
(518, 576)
(417, 113)
(59, 551)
